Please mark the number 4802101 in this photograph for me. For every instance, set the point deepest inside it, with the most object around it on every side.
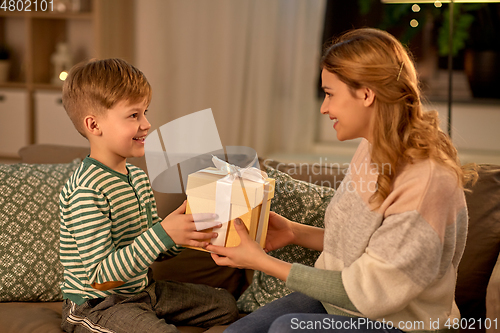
(471, 323)
(27, 5)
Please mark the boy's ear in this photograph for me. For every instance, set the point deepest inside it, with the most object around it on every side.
(91, 125)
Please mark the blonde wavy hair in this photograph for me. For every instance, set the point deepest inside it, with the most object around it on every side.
(403, 132)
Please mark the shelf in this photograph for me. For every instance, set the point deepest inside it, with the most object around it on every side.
(472, 101)
(18, 85)
(50, 15)
(46, 86)
(62, 16)
(12, 14)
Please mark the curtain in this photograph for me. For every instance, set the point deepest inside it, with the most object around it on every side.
(254, 62)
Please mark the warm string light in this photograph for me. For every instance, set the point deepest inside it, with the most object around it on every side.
(414, 23)
(63, 75)
(416, 8)
(438, 3)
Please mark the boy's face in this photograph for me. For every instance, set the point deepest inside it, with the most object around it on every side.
(124, 128)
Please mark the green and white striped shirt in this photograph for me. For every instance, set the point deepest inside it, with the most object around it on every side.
(110, 232)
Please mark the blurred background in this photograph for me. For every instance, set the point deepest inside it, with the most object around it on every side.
(254, 62)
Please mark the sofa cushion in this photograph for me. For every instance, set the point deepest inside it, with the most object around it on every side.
(51, 154)
(29, 236)
(31, 317)
(298, 201)
(483, 243)
(45, 317)
(322, 174)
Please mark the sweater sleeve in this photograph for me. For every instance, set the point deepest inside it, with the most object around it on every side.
(174, 250)
(384, 279)
(320, 284)
(85, 218)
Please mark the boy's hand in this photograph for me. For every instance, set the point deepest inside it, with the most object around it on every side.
(182, 229)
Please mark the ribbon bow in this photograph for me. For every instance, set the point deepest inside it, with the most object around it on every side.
(223, 193)
(232, 171)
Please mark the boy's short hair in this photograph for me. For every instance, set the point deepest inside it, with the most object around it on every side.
(95, 86)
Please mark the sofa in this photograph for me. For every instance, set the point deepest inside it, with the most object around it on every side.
(30, 271)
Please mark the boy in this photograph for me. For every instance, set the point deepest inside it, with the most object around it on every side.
(110, 231)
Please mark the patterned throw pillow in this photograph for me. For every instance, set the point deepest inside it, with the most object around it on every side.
(298, 201)
(29, 230)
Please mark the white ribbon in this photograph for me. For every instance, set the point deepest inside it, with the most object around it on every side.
(223, 193)
(233, 172)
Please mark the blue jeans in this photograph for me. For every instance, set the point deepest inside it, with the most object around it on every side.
(300, 313)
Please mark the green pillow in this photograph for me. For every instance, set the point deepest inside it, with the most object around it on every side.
(29, 230)
(298, 201)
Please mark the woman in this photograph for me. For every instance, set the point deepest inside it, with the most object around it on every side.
(395, 230)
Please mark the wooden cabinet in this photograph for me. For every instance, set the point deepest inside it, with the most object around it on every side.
(105, 29)
(14, 123)
(48, 106)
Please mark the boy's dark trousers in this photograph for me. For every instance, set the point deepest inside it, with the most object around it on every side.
(158, 308)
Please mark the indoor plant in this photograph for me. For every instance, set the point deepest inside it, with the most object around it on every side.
(475, 39)
(482, 55)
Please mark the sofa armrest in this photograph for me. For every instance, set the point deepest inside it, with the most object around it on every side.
(493, 296)
(51, 154)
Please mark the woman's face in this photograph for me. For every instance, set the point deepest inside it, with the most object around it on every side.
(352, 114)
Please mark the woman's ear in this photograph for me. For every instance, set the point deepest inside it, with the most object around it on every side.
(91, 125)
(368, 96)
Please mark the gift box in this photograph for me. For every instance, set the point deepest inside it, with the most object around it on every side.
(231, 194)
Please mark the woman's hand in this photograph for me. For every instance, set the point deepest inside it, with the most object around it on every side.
(282, 232)
(249, 255)
(279, 233)
(246, 255)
